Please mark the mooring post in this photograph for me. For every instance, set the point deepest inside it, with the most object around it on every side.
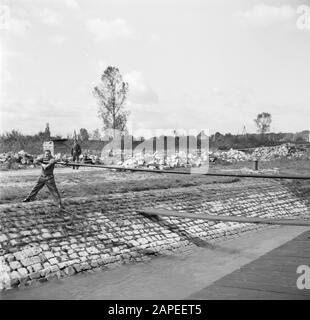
(165, 149)
(199, 144)
(255, 165)
(187, 149)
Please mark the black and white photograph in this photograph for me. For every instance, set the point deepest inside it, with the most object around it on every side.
(155, 150)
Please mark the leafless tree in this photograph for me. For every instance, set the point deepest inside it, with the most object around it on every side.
(111, 94)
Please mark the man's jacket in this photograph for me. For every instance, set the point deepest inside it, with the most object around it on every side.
(76, 150)
(49, 169)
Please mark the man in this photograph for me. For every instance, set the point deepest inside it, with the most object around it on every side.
(76, 152)
(47, 163)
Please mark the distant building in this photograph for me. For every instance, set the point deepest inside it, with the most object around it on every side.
(62, 146)
(47, 132)
(303, 136)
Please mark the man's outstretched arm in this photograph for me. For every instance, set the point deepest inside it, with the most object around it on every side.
(38, 160)
(50, 163)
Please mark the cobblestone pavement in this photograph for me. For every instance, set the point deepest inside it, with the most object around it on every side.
(36, 244)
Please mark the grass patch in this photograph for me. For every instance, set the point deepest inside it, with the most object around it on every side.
(8, 166)
(100, 182)
(85, 184)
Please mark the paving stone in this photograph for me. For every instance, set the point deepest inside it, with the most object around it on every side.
(49, 254)
(53, 261)
(15, 265)
(23, 272)
(15, 278)
(37, 267)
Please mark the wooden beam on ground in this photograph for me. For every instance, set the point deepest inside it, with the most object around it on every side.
(212, 174)
(169, 213)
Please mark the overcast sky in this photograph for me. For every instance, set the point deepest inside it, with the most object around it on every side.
(190, 64)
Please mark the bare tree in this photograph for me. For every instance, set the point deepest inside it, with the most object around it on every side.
(111, 94)
(84, 136)
(263, 121)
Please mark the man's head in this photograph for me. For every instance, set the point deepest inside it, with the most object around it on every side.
(47, 154)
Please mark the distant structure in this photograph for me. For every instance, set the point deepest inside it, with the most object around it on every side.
(47, 133)
(244, 131)
(57, 146)
(302, 136)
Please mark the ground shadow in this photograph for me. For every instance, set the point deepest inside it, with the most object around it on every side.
(186, 235)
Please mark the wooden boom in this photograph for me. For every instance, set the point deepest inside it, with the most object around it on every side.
(169, 213)
(216, 174)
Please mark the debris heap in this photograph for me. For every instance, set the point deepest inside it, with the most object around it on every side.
(160, 161)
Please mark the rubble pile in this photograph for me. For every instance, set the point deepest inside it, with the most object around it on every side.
(159, 161)
(19, 159)
(229, 156)
(289, 151)
(181, 159)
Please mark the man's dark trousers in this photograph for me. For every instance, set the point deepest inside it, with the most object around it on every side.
(49, 181)
(76, 159)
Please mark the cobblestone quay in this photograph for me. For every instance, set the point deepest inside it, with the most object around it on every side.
(35, 244)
